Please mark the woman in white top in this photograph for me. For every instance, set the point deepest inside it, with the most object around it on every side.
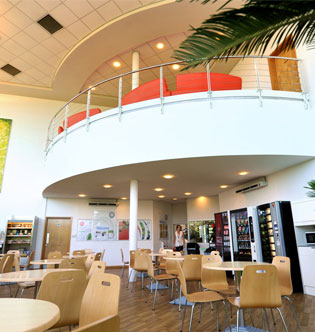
(179, 240)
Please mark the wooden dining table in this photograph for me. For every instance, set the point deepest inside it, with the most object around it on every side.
(27, 315)
(53, 261)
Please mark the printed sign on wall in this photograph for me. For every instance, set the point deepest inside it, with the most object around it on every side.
(5, 128)
(84, 230)
(104, 226)
(144, 229)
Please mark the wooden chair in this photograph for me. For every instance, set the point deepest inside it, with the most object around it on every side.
(131, 264)
(28, 265)
(6, 265)
(88, 263)
(147, 251)
(125, 263)
(103, 254)
(283, 265)
(53, 255)
(78, 253)
(72, 263)
(17, 257)
(88, 251)
(215, 253)
(108, 324)
(97, 267)
(265, 279)
(98, 256)
(101, 298)
(171, 265)
(157, 278)
(140, 266)
(199, 297)
(66, 290)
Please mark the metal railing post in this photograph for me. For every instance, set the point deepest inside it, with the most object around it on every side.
(119, 97)
(303, 92)
(258, 82)
(88, 103)
(209, 84)
(161, 89)
(66, 123)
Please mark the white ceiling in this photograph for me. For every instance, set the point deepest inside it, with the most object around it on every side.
(201, 176)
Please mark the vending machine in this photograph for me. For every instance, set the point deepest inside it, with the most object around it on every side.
(245, 235)
(223, 235)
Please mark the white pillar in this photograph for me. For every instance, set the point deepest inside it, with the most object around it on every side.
(133, 215)
(135, 66)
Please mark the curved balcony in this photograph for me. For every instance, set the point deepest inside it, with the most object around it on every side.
(239, 106)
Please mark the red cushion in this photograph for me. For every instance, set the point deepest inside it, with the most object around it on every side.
(75, 118)
(197, 82)
(146, 91)
(60, 130)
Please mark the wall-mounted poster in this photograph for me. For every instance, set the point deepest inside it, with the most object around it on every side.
(104, 226)
(144, 229)
(123, 232)
(84, 229)
(5, 128)
(163, 230)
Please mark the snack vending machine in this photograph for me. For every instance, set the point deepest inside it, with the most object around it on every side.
(223, 235)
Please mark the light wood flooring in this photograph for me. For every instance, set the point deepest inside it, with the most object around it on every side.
(137, 316)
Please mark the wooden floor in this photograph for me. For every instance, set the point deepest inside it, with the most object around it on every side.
(137, 316)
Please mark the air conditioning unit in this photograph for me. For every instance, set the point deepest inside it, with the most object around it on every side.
(257, 184)
(104, 202)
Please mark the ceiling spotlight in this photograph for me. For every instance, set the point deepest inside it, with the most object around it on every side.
(123, 198)
(92, 88)
(223, 186)
(187, 194)
(107, 186)
(159, 46)
(176, 66)
(82, 195)
(158, 189)
(116, 64)
(243, 173)
(161, 196)
(175, 199)
(168, 176)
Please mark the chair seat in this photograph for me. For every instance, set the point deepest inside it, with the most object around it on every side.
(174, 272)
(230, 290)
(164, 277)
(26, 284)
(162, 266)
(236, 302)
(207, 296)
(285, 291)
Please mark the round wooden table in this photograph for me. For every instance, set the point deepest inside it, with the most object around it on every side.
(54, 261)
(27, 315)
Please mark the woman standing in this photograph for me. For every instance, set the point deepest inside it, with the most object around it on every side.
(179, 240)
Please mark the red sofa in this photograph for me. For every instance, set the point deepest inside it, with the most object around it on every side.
(197, 82)
(146, 91)
(75, 118)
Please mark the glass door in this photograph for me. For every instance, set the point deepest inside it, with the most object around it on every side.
(226, 237)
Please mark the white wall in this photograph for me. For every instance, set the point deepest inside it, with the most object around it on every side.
(79, 209)
(202, 208)
(161, 212)
(287, 184)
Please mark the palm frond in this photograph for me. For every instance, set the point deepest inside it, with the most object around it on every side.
(311, 186)
(250, 29)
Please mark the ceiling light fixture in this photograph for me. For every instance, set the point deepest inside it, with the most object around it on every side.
(82, 195)
(243, 173)
(9, 69)
(116, 64)
(90, 87)
(223, 186)
(187, 194)
(159, 46)
(50, 24)
(175, 199)
(107, 186)
(161, 196)
(158, 189)
(124, 198)
(176, 66)
(168, 176)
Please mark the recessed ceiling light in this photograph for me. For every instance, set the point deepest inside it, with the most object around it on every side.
(159, 46)
(116, 64)
(243, 173)
(187, 194)
(223, 186)
(168, 176)
(92, 88)
(161, 196)
(50, 24)
(10, 70)
(82, 195)
(124, 198)
(217, 38)
(175, 199)
(158, 189)
(107, 186)
(176, 66)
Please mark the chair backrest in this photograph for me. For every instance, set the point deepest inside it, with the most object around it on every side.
(30, 258)
(72, 263)
(182, 279)
(78, 252)
(283, 265)
(150, 266)
(140, 261)
(174, 254)
(215, 253)
(108, 324)
(192, 267)
(88, 251)
(132, 258)
(101, 298)
(103, 254)
(65, 289)
(98, 256)
(97, 267)
(6, 263)
(260, 287)
(122, 255)
(89, 261)
(54, 255)
(147, 251)
(16, 260)
(213, 279)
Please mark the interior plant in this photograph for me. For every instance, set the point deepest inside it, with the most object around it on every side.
(311, 186)
(249, 29)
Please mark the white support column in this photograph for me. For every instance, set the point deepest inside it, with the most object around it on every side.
(135, 66)
(133, 219)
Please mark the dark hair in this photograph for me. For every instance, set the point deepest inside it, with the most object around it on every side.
(179, 227)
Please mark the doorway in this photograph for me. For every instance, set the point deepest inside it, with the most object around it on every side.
(57, 235)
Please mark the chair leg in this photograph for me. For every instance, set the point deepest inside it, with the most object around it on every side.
(183, 319)
(10, 290)
(17, 291)
(122, 271)
(227, 316)
(283, 322)
(218, 317)
(142, 274)
(251, 317)
(149, 291)
(200, 313)
(267, 320)
(294, 313)
(231, 309)
(191, 316)
(211, 306)
(22, 292)
(238, 320)
(129, 278)
(273, 318)
(172, 290)
(156, 288)
(180, 297)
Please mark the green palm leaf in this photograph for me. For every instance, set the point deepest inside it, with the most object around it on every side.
(250, 29)
(311, 186)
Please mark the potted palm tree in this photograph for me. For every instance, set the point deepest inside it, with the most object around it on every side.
(311, 186)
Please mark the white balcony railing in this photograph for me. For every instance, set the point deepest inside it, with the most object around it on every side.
(257, 73)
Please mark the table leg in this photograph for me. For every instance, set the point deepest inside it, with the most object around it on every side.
(36, 288)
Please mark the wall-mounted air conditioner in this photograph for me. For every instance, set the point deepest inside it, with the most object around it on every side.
(257, 184)
(105, 202)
